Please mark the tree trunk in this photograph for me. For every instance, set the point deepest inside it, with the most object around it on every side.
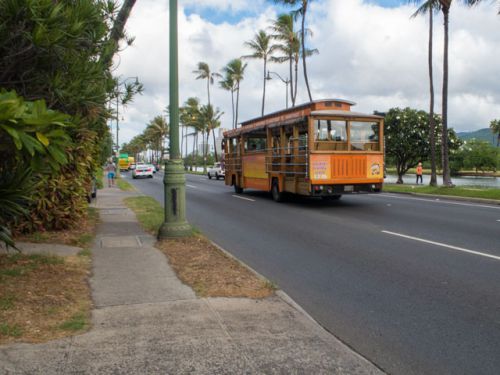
(117, 32)
(215, 146)
(194, 148)
(264, 90)
(444, 146)
(232, 105)
(208, 88)
(182, 140)
(292, 97)
(204, 151)
(296, 80)
(304, 10)
(432, 124)
(237, 104)
(400, 171)
(206, 147)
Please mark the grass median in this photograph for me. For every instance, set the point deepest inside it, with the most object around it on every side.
(462, 191)
(42, 296)
(197, 262)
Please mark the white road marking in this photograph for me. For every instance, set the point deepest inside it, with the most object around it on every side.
(192, 186)
(247, 199)
(443, 245)
(437, 200)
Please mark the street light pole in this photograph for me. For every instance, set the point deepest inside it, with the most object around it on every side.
(285, 81)
(175, 224)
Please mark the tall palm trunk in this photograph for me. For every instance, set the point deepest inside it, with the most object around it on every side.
(292, 97)
(182, 139)
(296, 80)
(302, 32)
(264, 90)
(237, 104)
(232, 105)
(208, 89)
(194, 148)
(215, 147)
(432, 125)
(444, 146)
(204, 151)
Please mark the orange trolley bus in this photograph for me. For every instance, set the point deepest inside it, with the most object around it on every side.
(320, 149)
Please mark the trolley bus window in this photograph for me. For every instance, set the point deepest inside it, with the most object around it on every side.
(364, 136)
(331, 135)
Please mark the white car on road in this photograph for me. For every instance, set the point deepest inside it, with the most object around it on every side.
(216, 171)
(143, 170)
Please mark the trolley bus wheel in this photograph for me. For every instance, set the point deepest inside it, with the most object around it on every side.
(237, 189)
(209, 176)
(275, 192)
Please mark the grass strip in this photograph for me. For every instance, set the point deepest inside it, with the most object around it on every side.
(148, 211)
(462, 191)
(197, 262)
(124, 185)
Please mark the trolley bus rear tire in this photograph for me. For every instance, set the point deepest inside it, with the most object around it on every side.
(209, 176)
(277, 195)
(237, 189)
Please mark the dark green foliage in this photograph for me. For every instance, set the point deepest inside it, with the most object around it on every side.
(56, 53)
(407, 138)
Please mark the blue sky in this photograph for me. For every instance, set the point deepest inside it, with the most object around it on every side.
(217, 16)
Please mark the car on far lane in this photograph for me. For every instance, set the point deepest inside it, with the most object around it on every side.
(143, 170)
(216, 171)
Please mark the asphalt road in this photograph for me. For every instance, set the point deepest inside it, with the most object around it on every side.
(412, 284)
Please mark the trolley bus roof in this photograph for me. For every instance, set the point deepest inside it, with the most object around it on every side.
(299, 114)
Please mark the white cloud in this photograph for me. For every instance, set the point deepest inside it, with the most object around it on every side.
(372, 55)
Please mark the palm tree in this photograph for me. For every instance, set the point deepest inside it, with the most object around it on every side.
(444, 6)
(228, 84)
(429, 7)
(236, 70)
(211, 120)
(190, 117)
(302, 11)
(204, 72)
(283, 31)
(261, 48)
(157, 131)
(495, 129)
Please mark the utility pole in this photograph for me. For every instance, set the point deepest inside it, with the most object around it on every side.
(175, 224)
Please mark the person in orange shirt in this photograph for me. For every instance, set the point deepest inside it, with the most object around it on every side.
(419, 173)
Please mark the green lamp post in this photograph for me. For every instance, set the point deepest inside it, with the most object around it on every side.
(175, 224)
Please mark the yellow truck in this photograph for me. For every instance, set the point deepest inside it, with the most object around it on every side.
(123, 162)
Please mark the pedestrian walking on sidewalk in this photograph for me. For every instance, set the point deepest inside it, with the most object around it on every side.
(419, 173)
(111, 171)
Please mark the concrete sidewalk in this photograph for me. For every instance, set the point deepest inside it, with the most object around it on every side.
(145, 321)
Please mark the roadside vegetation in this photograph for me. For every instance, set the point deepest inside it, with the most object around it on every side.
(123, 184)
(197, 262)
(56, 82)
(462, 191)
